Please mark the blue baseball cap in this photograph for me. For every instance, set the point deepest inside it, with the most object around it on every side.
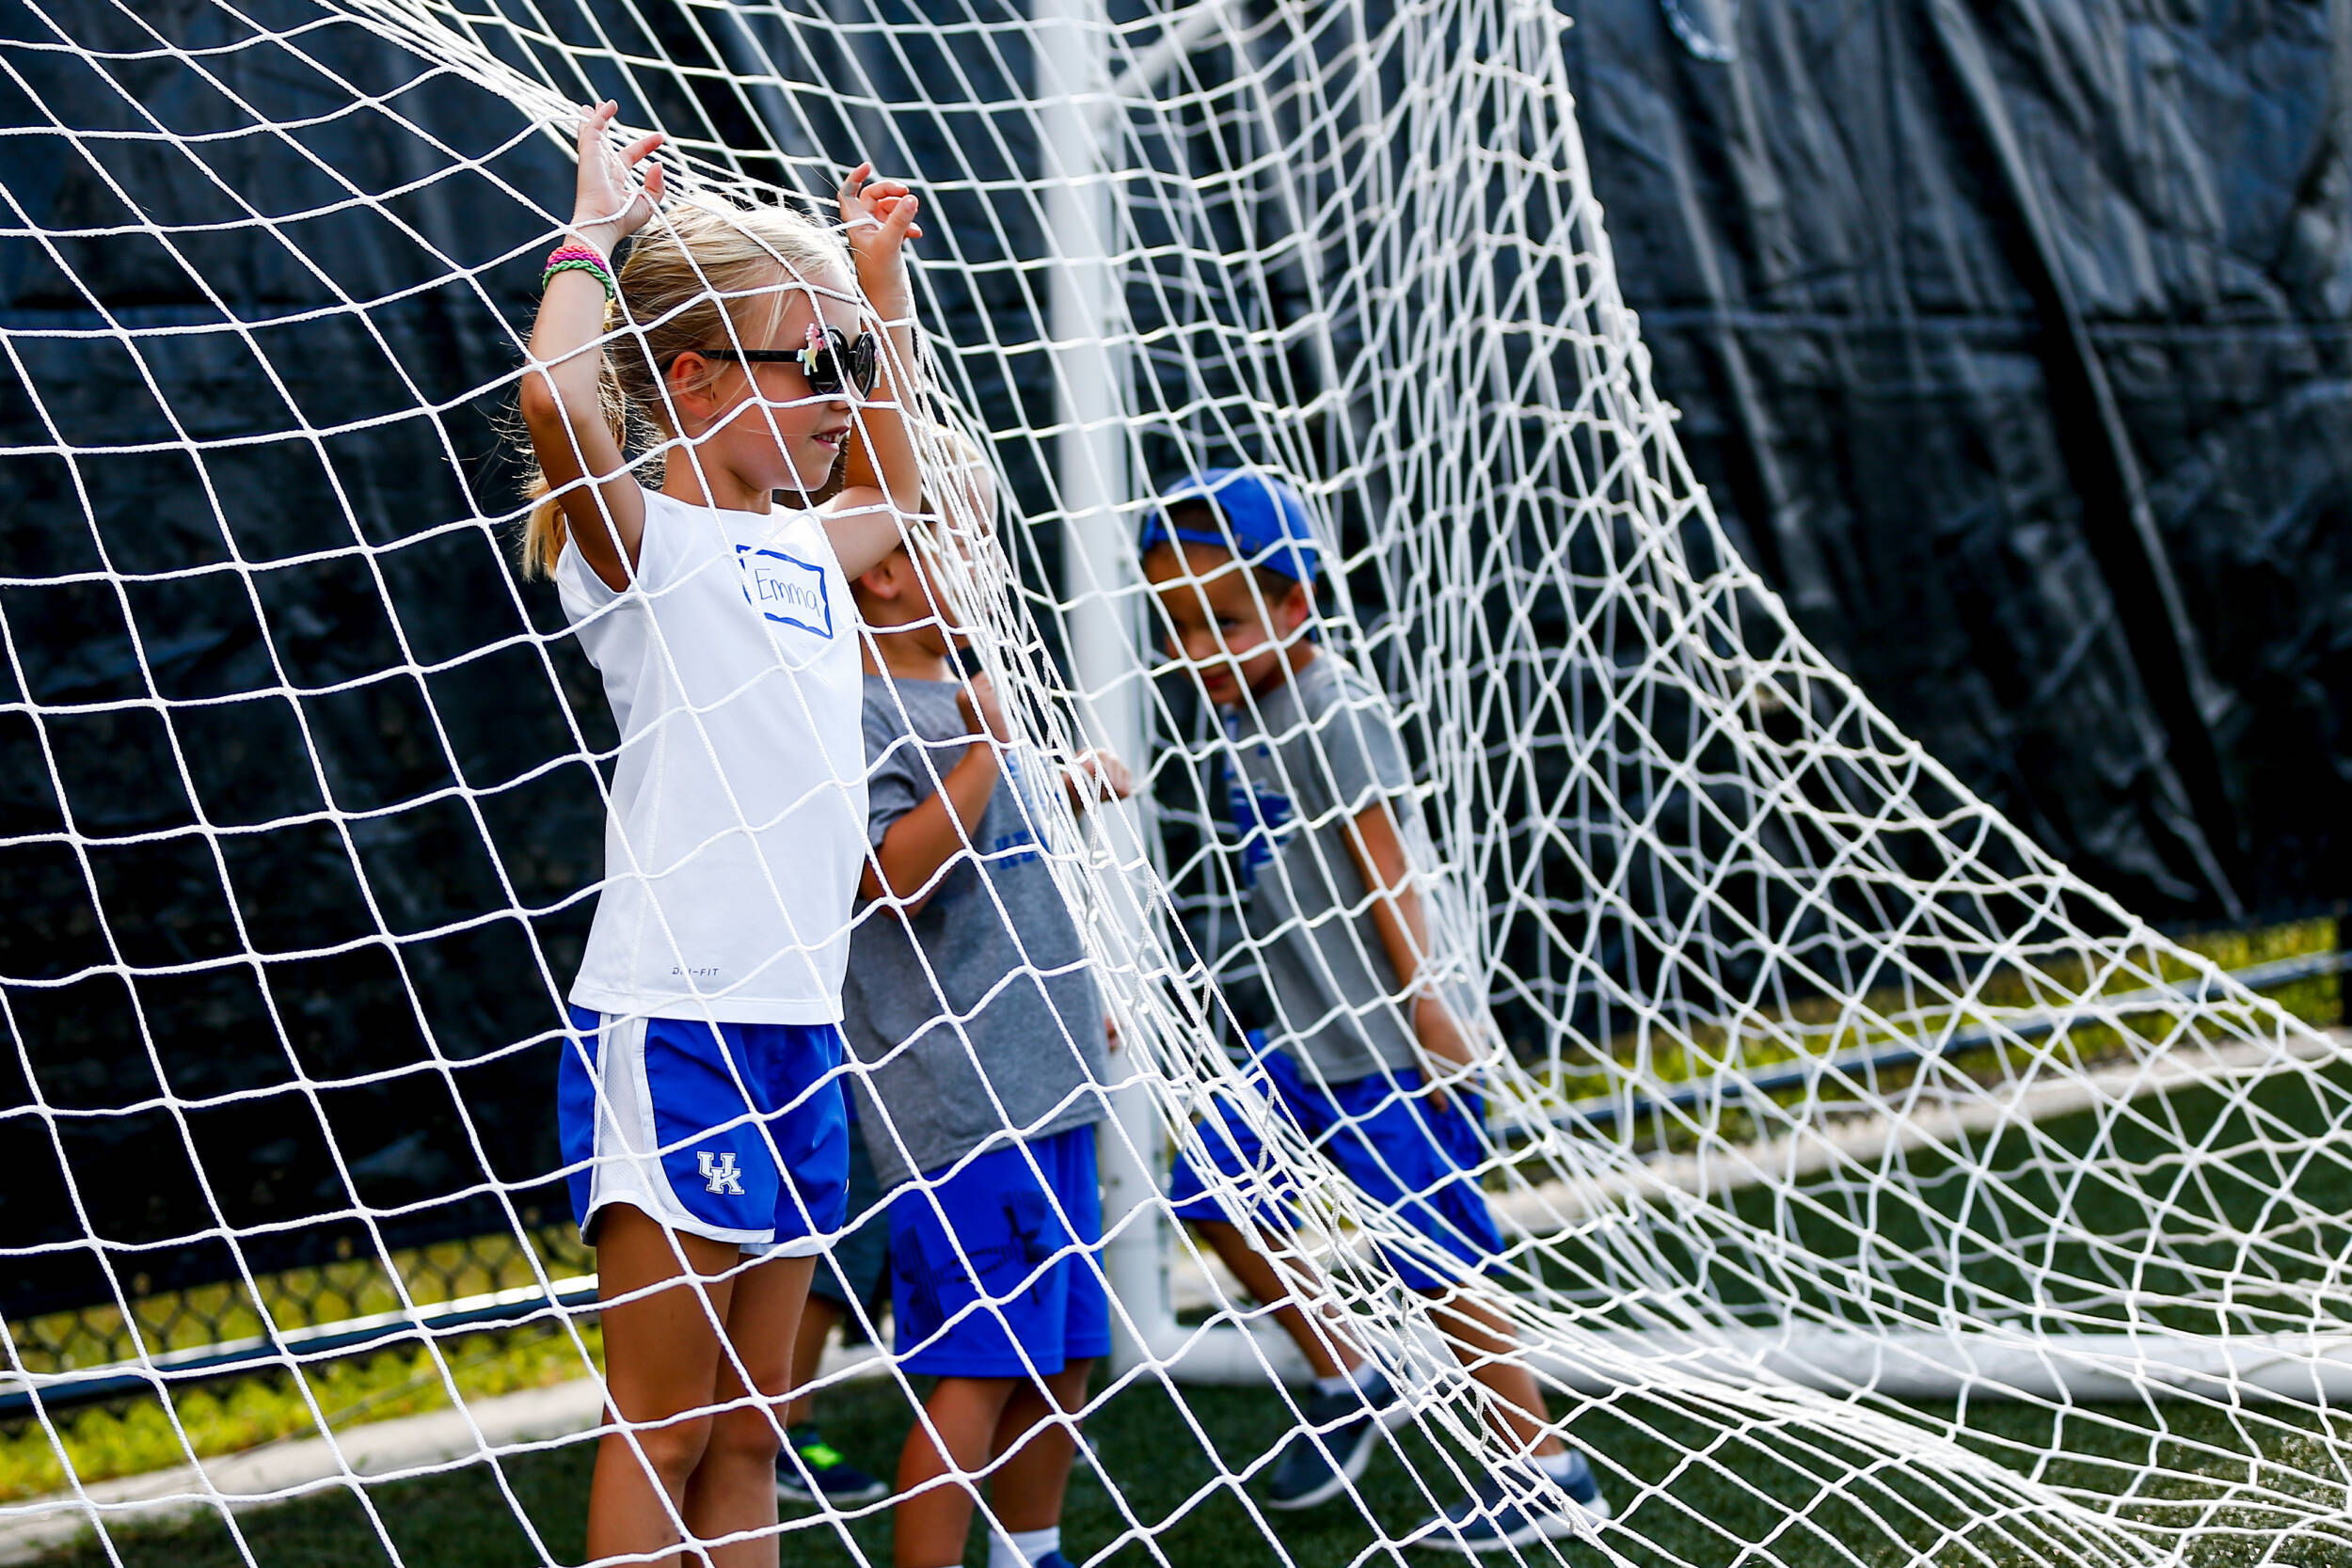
(1266, 518)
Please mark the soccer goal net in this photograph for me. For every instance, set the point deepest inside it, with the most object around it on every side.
(1865, 1188)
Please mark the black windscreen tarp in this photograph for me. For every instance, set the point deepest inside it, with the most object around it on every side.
(2011, 343)
(2009, 340)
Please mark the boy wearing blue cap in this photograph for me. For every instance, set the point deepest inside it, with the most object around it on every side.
(1329, 872)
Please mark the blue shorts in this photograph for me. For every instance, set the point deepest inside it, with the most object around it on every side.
(1038, 1290)
(1413, 1162)
(730, 1131)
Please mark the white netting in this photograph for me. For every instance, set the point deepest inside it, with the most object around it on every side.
(1872, 1190)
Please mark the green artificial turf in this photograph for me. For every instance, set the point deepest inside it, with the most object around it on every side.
(1704, 1489)
(1785, 1496)
(2202, 1209)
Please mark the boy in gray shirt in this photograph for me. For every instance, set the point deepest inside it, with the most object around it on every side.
(979, 1038)
(968, 994)
(1377, 1033)
(1310, 756)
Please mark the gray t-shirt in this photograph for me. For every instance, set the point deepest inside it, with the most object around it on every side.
(974, 993)
(1319, 749)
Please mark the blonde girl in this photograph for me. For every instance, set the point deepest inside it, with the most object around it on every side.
(699, 1096)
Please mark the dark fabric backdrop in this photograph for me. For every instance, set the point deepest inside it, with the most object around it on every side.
(2011, 341)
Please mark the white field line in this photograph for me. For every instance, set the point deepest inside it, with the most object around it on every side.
(1859, 1140)
(1865, 1140)
(275, 1472)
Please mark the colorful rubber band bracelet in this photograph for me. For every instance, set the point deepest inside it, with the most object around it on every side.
(578, 258)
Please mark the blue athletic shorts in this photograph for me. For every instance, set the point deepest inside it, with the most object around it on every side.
(692, 1122)
(1415, 1163)
(1039, 1285)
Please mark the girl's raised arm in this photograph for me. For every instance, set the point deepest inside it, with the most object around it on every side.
(863, 521)
(562, 395)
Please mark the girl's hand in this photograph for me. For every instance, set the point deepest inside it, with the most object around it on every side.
(1095, 776)
(982, 713)
(879, 216)
(611, 204)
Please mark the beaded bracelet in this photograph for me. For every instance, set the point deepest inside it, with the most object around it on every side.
(579, 257)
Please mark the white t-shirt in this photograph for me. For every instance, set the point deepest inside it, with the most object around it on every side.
(738, 823)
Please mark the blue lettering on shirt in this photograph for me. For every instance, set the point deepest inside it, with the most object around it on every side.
(1024, 794)
(785, 588)
(1261, 815)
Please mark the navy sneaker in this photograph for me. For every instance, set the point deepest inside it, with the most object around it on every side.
(1517, 1506)
(811, 1470)
(1310, 1471)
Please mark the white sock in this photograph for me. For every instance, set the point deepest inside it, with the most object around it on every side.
(1556, 1466)
(1358, 1376)
(1022, 1548)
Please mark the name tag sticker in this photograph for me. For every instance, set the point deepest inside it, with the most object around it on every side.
(787, 588)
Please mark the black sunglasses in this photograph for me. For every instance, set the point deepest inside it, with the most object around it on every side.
(836, 365)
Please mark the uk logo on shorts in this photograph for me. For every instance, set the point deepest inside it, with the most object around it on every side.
(719, 1172)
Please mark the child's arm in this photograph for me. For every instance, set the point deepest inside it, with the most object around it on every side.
(1396, 912)
(863, 520)
(906, 863)
(562, 403)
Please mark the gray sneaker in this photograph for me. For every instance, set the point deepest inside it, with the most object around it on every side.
(1517, 1506)
(1335, 1445)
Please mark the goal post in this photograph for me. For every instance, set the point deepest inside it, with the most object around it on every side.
(1100, 629)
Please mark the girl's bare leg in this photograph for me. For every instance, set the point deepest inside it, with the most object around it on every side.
(661, 1358)
(734, 1488)
(819, 1315)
